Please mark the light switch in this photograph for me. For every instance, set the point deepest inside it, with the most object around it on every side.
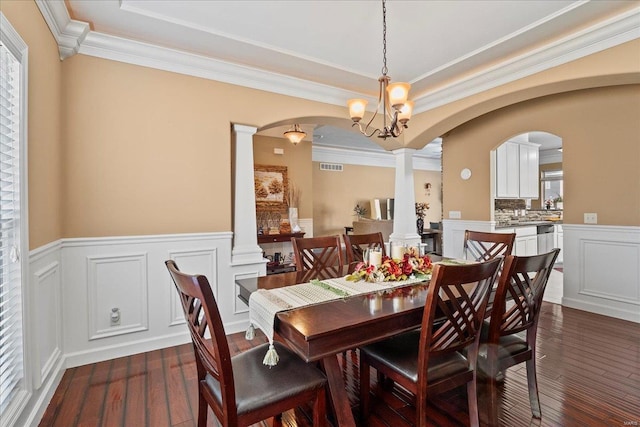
(455, 215)
(590, 218)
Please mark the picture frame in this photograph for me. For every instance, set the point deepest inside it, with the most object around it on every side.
(271, 186)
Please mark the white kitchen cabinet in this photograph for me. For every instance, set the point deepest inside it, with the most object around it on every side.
(507, 170)
(526, 243)
(517, 168)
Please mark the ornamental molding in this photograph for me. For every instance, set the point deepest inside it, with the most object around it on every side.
(76, 37)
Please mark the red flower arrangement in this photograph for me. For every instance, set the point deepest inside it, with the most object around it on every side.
(393, 271)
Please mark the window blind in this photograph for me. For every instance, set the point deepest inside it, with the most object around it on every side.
(11, 342)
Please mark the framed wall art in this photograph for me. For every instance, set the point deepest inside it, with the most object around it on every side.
(271, 187)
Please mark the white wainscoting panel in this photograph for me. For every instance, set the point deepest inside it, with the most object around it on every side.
(602, 270)
(117, 282)
(48, 334)
(202, 261)
(129, 273)
(453, 234)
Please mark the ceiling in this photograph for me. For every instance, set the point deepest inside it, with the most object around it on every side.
(336, 46)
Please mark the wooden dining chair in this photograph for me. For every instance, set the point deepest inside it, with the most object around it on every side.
(240, 390)
(520, 290)
(318, 257)
(356, 244)
(483, 246)
(430, 361)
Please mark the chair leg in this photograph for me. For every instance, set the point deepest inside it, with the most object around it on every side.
(365, 385)
(203, 408)
(532, 381)
(320, 409)
(492, 407)
(472, 397)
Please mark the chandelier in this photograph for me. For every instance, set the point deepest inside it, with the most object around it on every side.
(391, 96)
(295, 134)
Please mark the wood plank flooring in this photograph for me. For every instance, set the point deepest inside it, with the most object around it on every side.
(588, 375)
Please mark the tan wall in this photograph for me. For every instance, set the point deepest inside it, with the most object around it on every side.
(337, 193)
(136, 137)
(600, 131)
(297, 159)
(44, 121)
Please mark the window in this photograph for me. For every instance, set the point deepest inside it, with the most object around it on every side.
(13, 214)
(552, 183)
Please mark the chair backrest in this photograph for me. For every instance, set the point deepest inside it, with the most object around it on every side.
(459, 294)
(202, 316)
(357, 243)
(521, 284)
(318, 257)
(483, 246)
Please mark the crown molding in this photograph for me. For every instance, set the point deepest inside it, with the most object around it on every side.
(613, 32)
(69, 33)
(76, 37)
(385, 159)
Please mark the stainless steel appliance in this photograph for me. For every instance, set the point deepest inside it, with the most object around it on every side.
(545, 238)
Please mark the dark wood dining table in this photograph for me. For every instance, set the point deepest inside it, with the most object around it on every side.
(322, 331)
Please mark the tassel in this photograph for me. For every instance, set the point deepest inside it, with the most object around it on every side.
(250, 333)
(271, 358)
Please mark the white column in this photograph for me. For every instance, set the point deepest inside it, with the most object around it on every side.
(245, 235)
(404, 216)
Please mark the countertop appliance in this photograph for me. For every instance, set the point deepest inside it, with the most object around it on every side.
(545, 238)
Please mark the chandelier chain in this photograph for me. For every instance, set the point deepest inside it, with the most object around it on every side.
(384, 38)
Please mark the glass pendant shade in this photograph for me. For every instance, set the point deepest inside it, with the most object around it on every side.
(405, 112)
(398, 93)
(357, 109)
(295, 135)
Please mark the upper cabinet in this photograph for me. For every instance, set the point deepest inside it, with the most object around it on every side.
(517, 166)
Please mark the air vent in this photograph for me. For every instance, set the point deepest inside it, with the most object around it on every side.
(331, 167)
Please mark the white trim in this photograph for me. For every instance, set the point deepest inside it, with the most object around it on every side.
(74, 36)
(157, 238)
(384, 159)
(613, 32)
(69, 33)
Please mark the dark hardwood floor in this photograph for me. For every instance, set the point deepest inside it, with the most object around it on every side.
(588, 375)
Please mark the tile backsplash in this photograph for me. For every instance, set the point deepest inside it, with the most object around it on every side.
(513, 210)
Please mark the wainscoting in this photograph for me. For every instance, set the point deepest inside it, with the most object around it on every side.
(601, 265)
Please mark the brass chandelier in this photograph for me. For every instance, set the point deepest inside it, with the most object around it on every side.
(392, 97)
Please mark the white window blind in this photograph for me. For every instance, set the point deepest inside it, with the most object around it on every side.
(12, 383)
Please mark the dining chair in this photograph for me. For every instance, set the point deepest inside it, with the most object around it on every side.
(430, 360)
(483, 246)
(318, 257)
(520, 290)
(356, 244)
(240, 390)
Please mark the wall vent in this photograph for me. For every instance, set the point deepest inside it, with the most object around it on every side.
(331, 167)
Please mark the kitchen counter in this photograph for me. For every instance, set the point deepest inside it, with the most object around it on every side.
(516, 224)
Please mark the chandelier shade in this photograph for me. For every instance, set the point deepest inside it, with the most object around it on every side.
(295, 134)
(392, 100)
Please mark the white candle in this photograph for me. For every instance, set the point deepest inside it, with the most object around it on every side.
(397, 252)
(375, 258)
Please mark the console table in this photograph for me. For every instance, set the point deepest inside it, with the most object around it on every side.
(274, 238)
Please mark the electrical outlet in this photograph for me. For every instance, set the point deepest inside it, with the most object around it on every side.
(455, 214)
(115, 316)
(591, 218)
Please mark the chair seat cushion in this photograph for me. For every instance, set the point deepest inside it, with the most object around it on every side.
(508, 346)
(258, 385)
(400, 353)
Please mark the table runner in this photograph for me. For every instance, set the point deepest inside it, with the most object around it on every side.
(264, 304)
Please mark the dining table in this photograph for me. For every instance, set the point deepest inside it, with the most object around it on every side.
(320, 332)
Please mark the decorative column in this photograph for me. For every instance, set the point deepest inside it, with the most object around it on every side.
(245, 235)
(404, 216)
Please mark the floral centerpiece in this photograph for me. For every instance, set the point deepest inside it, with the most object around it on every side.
(360, 211)
(391, 270)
